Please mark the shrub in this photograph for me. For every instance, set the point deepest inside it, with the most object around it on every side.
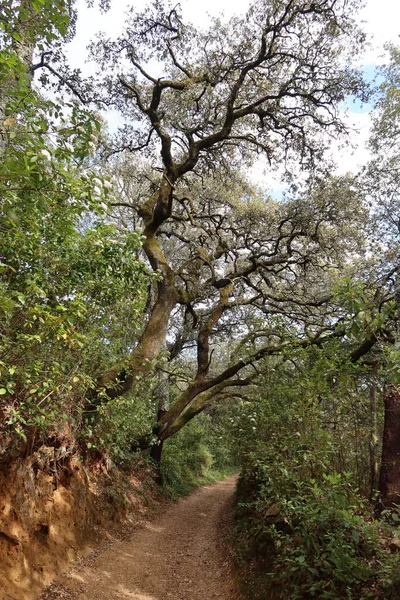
(310, 537)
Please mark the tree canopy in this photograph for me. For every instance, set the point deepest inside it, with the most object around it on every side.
(268, 84)
(179, 267)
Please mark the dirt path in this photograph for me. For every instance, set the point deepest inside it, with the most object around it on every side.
(178, 556)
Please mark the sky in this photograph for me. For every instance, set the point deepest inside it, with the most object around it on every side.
(380, 19)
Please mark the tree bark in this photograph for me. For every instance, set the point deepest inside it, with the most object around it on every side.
(389, 477)
(120, 378)
(373, 442)
(162, 395)
(156, 453)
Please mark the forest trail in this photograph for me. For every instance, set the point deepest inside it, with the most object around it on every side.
(177, 556)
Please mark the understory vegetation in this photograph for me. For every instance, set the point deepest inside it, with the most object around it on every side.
(314, 538)
(307, 520)
(198, 454)
(159, 304)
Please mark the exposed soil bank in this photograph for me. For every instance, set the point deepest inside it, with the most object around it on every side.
(53, 510)
(179, 555)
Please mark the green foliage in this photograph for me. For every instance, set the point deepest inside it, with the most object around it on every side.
(317, 396)
(319, 544)
(69, 285)
(389, 576)
(121, 421)
(72, 287)
(302, 521)
(363, 316)
(198, 454)
(44, 21)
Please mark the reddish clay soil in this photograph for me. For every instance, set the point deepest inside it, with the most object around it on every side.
(178, 556)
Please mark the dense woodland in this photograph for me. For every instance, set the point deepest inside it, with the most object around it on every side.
(154, 300)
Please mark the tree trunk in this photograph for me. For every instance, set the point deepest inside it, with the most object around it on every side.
(162, 395)
(156, 455)
(120, 379)
(373, 442)
(389, 477)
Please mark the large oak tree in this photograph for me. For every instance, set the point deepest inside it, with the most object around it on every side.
(200, 107)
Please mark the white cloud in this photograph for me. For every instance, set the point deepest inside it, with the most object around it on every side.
(381, 21)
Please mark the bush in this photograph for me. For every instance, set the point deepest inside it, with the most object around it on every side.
(311, 537)
(196, 455)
